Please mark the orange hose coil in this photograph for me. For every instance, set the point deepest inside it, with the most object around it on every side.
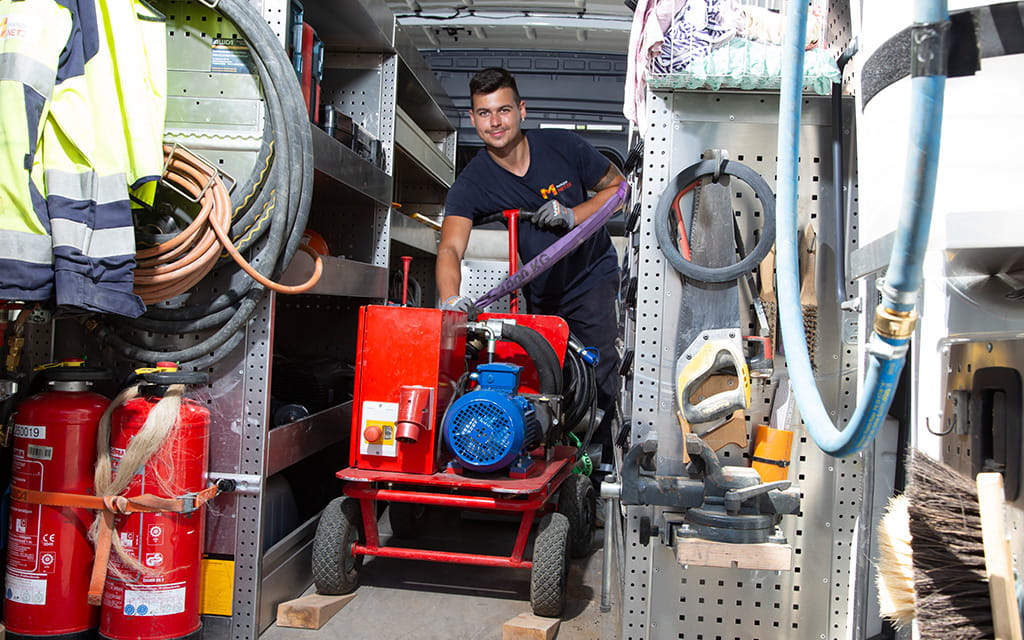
(173, 267)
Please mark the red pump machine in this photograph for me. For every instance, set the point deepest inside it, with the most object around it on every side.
(429, 430)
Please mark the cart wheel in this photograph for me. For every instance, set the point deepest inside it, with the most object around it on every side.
(550, 575)
(335, 567)
(577, 502)
(406, 518)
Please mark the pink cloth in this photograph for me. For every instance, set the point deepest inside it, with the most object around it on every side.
(651, 20)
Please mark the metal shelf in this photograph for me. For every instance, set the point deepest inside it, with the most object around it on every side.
(419, 92)
(423, 151)
(413, 234)
(293, 442)
(333, 159)
(341, 277)
(352, 25)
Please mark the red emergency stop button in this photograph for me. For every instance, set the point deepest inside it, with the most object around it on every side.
(372, 433)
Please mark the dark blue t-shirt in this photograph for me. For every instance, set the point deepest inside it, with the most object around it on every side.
(562, 165)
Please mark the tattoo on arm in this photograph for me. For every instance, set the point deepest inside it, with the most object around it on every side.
(608, 178)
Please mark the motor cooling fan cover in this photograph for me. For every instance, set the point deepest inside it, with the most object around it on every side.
(485, 430)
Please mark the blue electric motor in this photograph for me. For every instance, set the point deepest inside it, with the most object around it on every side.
(489, 427)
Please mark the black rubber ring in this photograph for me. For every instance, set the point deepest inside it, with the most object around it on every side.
(663, 215)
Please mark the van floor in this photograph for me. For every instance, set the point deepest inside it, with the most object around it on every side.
(413, 599)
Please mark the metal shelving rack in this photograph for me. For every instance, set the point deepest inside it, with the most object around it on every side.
(261, 534)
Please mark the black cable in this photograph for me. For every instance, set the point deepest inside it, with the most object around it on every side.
(838, 201)
(269, 218)
(663, 221)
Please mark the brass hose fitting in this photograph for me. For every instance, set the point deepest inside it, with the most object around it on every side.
(894, 325)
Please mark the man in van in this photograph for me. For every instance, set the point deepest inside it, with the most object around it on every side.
(562, 178)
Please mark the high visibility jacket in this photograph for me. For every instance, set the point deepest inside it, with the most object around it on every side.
(81, 121)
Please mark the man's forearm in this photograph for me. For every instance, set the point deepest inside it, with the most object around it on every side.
(448, 273)
(588, 208)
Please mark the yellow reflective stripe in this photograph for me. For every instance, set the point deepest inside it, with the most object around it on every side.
(25, 247)
(86, 186)
(93, 243)
(20, 67)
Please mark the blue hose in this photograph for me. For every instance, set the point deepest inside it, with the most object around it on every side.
(886, 353)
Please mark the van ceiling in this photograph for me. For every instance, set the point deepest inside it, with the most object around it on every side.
(538, 25)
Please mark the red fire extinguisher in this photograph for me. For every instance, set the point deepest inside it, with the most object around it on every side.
(48, 551)
(155, 594)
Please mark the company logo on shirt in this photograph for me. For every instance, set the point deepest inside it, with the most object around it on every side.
(16, 27)
(553, 190)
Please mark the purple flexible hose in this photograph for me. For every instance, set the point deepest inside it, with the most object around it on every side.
(547, 258)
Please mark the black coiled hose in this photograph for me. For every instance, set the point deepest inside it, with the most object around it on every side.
(580, 394)
(270, 215)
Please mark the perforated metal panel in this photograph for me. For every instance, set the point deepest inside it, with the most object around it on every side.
(480, 276)
(215, 111)
(661, 598)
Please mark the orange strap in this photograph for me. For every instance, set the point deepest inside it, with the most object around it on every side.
(109, 506)
(119, 505)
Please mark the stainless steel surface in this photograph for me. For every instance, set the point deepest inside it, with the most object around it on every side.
(252, 453)
(218, 114)
(664, 600)
(287, 570)
(480, 276)
(341, 276)
(343, 164)
(413, 234)
(427, 154)
(243, 483)
(872, 257)
(419, 90)
(293, 442)
(608, 556)
(352, 25)
(963, 360)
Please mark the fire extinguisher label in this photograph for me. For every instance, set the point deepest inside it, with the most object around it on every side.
(32, 432)
(25, 590)
(381, 415)
(163, 600)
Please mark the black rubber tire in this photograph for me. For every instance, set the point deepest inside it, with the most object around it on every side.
(406, 519)
(577, 501)
(549, 578)
(335, 567)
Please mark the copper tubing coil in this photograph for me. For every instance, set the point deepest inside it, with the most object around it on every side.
(175, 266)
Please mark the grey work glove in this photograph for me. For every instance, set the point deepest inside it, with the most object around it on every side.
(554, 214)
(460, 303)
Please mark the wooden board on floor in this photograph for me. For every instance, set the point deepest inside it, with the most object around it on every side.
(706, 553)
(527, 626)
(310, 612)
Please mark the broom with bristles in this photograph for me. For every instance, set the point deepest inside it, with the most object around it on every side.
(962, 581)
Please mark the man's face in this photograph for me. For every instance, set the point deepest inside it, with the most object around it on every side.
(497, 116)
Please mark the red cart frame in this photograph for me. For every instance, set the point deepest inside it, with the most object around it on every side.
(528, 496)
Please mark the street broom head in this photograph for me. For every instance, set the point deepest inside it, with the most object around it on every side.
(952, 593)
(895, 576)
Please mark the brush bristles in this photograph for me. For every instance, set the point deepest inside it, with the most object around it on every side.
(895, 577)
(949, 560)
(810, 312)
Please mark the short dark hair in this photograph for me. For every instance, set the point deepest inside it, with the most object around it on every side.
(490, 80)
